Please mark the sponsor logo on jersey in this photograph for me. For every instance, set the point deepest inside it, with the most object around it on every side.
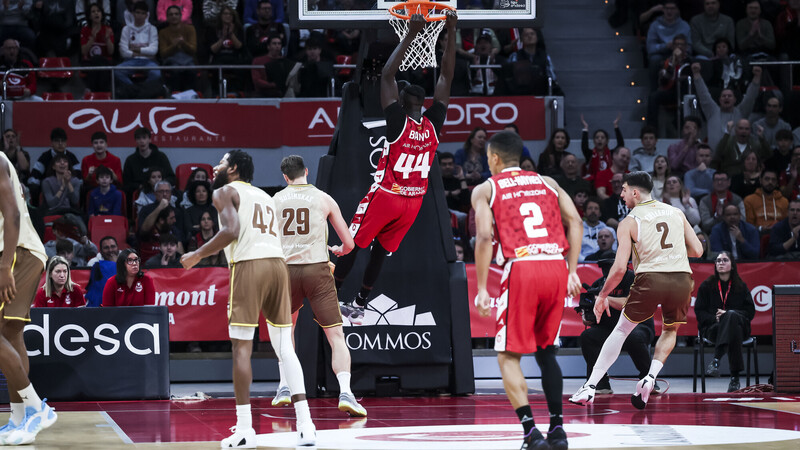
(419, 135)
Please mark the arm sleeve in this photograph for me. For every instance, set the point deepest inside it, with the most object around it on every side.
(40, 301)
(395, 121)
(703, 305)
(49, 193)
(749, 308)
(749, 100)
(80, 299)
(149, 291)
(109, 298)
(152, 46)
(124, 43)
(116, 209)
(697, 39)
(751, 245)
(587, 152)
(620, 139)
(75, 196)
(437, 114)
(692, 213)
(776, 240)
(707, 104)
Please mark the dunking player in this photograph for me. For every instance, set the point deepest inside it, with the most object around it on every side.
(528, 213)
(662, 242)
(22, 260)
(304, 212)
(393, 201)
(259, 283)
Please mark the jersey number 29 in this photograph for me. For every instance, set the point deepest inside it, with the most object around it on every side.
(406, 164)
(533, 218)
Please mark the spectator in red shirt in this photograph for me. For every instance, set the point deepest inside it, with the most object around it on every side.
(97, 49)
(620, 158)
(131, 286)
(598, 158)
(58, 290)
(100, 157)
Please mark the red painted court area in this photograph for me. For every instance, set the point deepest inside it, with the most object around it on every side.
(208, 421)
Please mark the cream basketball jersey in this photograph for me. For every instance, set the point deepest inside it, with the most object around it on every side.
(259, 236)
(661, 246)
(304, 226)
(28, 238)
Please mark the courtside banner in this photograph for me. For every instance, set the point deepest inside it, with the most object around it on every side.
(759, 277)
(173, 123)
(197, 301)
(221, 124)
(99, 353)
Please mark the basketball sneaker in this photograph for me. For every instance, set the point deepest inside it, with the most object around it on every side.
(240, 439)
(534, 441)
(35, 421)
(283, 397)
(6, 430)
(643, 389)
(557, 438)
(584, 396)
(348, 404)
(353, 312)
(306, 434)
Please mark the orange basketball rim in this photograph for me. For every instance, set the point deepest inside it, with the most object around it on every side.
(431, 11)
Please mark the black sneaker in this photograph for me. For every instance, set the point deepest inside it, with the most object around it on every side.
(557, 438)
(713, 368)
(353, 312)
(534, 441)
(734, 385)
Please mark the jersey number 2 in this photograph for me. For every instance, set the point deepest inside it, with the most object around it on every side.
(259, 214)
(663, 228)
(533, 218)
(406, 164)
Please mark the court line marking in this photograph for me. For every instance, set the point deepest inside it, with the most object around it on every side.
(115, 427)
(764, 408)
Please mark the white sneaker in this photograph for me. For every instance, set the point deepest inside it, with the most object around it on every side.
(240, 439)
(584, 396)
(283, 397)
(643, 389)
(35, 421)
(349, 404)
(6, 430)
(306, 434)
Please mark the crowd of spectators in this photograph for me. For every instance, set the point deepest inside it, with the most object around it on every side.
(144, 36)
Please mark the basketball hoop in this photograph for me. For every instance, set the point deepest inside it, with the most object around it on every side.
(422, 51)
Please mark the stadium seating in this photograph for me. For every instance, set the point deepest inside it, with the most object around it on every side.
(183, 171)
(117, 226)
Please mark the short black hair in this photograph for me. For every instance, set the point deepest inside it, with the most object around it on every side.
(784, 135)
(445, 155)
(102, 170)
(142, 131)
(594, 200)
(772, 171)
(512, 126)
(99, 135)
(293, 167)
(647, 129)
(705, 147)
(140, 6)
(105, 238)
(176, 7)
(243, 163)
(167, 238)
(414, 91)
(694, 119)
(164, 214)
(63, 247)
(639, 179)
(507, 145)
(58, 133)
(725, 174)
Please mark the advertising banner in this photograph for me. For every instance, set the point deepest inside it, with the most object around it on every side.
(99, 353)
(759, 277)
(230, 125)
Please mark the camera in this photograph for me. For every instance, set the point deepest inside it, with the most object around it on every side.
(586, 302)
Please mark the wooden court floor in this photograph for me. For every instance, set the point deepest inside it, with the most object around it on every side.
(743, 421)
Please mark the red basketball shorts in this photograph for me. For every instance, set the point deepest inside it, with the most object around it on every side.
(384, 216)
(531, 305)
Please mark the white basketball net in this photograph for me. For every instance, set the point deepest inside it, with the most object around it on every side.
(422, 51)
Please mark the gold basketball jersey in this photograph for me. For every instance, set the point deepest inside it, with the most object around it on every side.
(304, 226)
(28, 238)
(259, 226)
(661, 246)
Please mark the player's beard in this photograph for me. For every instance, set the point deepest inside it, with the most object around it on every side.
(220, 180)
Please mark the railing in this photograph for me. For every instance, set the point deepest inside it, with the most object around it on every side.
(779, 63)
(112, 69)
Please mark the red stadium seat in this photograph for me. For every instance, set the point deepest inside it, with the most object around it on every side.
(48, 228)
(50, 96)
(55, 63)
(116, 226)
(89, 95)
(344, 59)
(183, 171)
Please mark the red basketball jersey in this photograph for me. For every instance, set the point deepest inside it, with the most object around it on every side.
(406, 162)
(527, 218)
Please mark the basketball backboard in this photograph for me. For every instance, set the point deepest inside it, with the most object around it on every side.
(373, 14)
